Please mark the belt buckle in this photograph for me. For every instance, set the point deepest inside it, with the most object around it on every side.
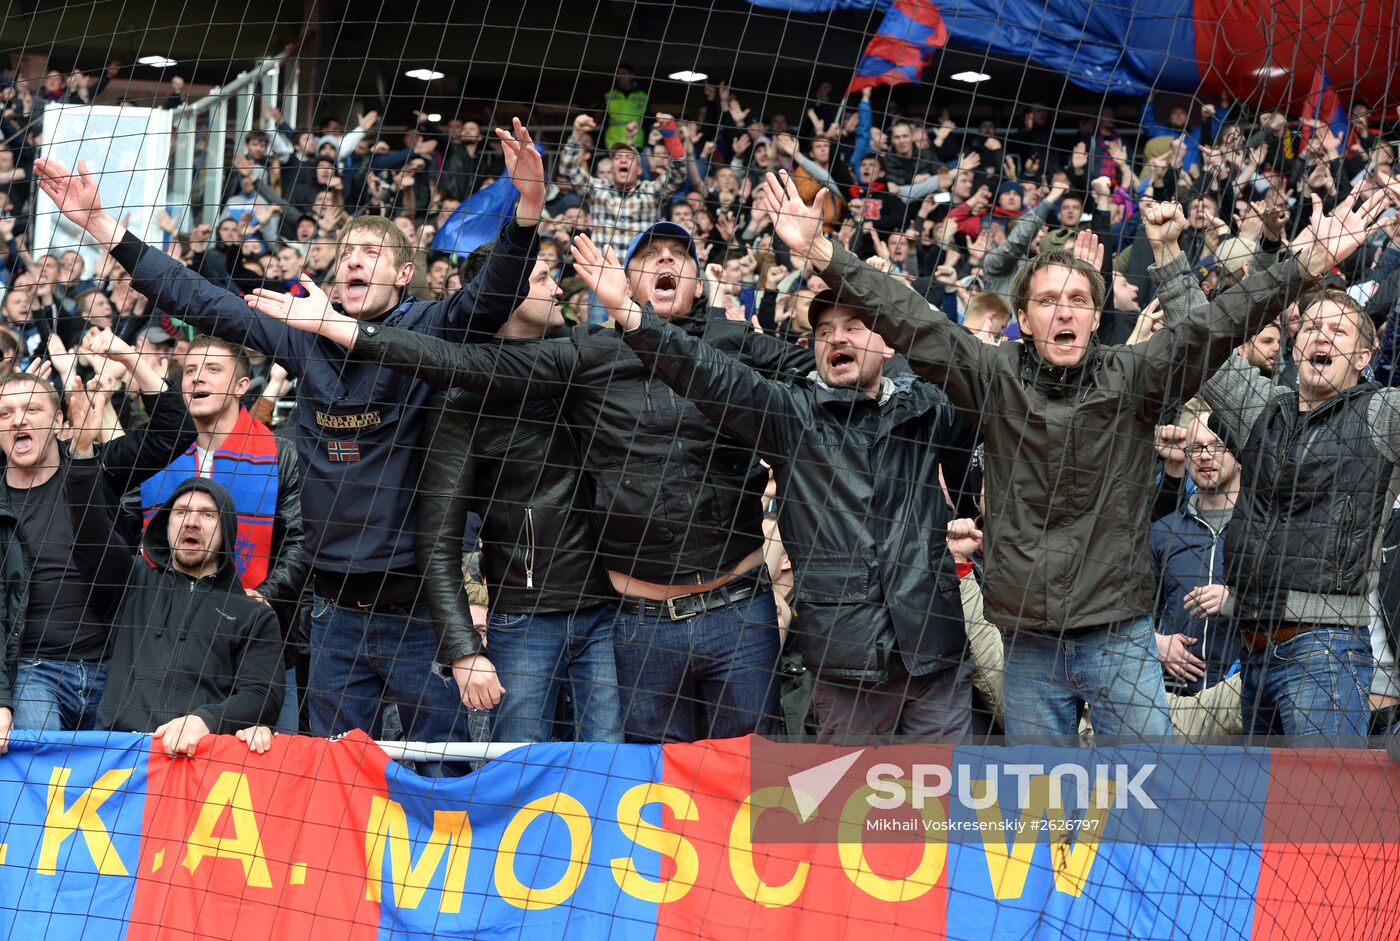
(676, 616)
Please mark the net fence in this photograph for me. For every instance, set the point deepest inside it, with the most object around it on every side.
(673, 470)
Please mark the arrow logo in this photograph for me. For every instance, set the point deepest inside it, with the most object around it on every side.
(811, 787)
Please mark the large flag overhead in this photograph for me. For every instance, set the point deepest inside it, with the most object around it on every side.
(1261, 51)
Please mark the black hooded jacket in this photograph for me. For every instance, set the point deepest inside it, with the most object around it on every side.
(180, 645)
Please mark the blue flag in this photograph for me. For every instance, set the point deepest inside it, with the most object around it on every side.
(478, 220)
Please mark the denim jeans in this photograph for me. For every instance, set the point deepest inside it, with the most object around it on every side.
(58, 695)
(713, 675)
(361, 658)
(289, 719)
(534, 653)
(1113, 669)
(1314, 684)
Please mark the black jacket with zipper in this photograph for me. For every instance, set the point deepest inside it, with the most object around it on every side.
(677, 501)
(180, 645)
(1316, 492)
(862, 514)
(515, 463)
(123, 463)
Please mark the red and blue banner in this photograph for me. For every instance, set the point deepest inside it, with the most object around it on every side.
(1265, 52)
(902, 47)
(104, 838)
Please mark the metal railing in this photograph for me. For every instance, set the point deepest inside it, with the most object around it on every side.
(233, 110)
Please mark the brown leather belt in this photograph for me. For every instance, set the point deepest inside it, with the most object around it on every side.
(1255, 641)
(684, 607)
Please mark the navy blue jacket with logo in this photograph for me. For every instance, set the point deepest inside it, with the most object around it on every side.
(358, 423)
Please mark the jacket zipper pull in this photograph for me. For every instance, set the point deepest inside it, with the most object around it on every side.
(530, 538)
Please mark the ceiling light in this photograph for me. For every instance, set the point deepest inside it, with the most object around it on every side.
(435, 117)
(426, 75)
(972, 78)
(157, 62)
(685, 75)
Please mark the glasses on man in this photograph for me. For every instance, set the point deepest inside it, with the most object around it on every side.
(1197, 451)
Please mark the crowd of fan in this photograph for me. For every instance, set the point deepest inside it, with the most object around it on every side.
(591, 617)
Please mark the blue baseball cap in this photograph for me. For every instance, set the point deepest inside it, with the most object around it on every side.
(662, 230)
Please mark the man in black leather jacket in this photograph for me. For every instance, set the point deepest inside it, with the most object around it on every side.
(552, 609)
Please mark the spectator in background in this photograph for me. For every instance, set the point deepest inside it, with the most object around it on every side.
(621, 205)
(1198, 645)
(626, 108)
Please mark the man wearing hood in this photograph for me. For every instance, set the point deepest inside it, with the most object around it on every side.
(192, 654)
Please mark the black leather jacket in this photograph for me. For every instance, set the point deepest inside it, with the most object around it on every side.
(677, 501)
(515, 463)
(862, 514)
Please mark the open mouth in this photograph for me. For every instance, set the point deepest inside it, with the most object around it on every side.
(1320, 360)
(840, 359)
(665, 282)
(191, 542)
(1065, 338)
(23, 443)
(356, 286)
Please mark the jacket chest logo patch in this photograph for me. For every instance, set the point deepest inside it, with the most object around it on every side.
(348, 422)
(343, 452)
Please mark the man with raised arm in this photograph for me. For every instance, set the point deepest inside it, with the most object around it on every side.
(677, 500)
(358, 428)
(857, 456)
(1068, 426)
(1320, 470)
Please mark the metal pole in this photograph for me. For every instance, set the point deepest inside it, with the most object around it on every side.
(214, 163)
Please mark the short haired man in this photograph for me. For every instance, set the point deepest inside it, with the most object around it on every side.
(1321, 470)
(1198, 646)
(879, 614)
(55, 654)
(259, 470)
(1068, 426)
(677, 501)
(371, 634)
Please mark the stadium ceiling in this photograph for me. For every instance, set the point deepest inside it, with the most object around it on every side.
(507, 52)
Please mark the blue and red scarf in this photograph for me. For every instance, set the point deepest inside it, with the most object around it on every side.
(246, 465)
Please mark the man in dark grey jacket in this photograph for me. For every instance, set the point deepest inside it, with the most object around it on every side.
(1320, 472)
(1068, 427)
(857, 457)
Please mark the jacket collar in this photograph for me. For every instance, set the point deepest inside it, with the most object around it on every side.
(1060, 381)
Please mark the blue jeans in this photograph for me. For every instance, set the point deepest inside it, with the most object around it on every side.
(1113, 669)
(359, 658)
(713, 675)
(533, 653)
(58, 695)
(289, 719)
(1313, 684)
